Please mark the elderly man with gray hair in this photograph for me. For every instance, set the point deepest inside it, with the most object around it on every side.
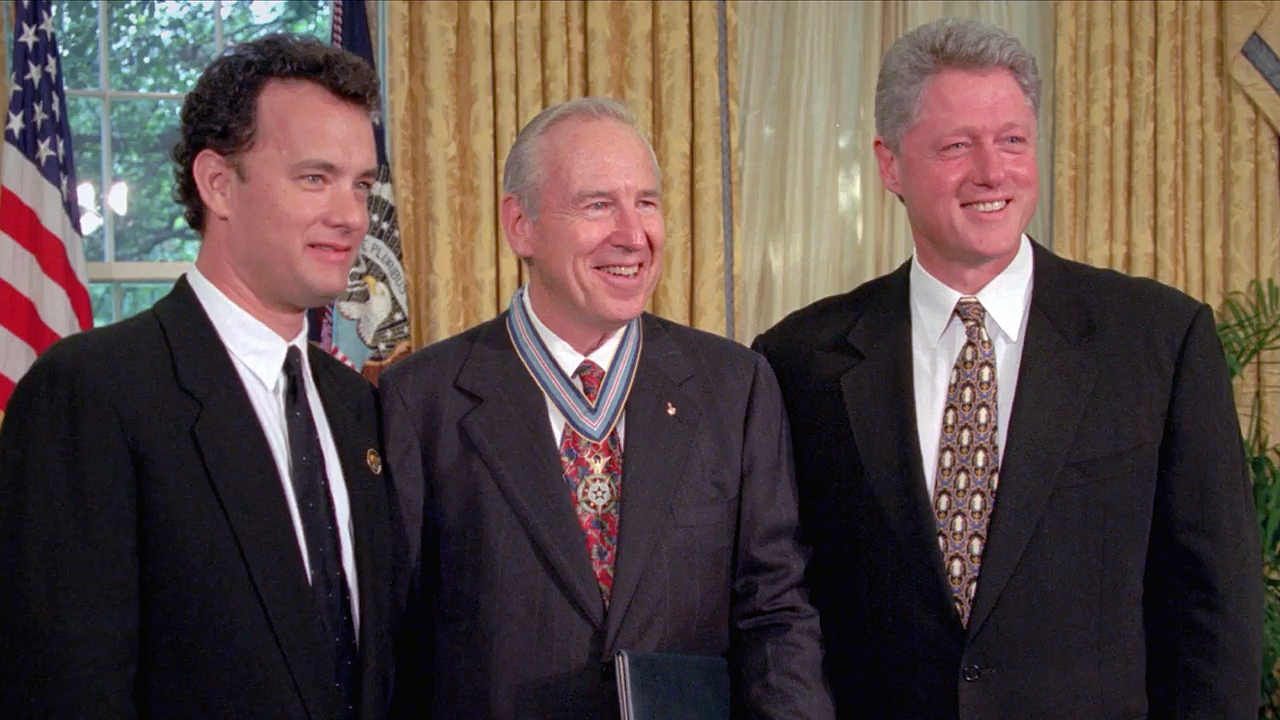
(1022, 476)
(581, 477)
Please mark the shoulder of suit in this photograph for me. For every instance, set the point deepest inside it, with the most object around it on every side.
(1111, 290)
(102, 360)
(441, 356)
(700, 345)
(823, 322)
(345, 376)
(125, 341)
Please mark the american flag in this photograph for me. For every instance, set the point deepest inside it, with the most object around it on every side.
(43, 289)
(367, 327)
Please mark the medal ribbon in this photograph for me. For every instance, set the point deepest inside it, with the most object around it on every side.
(592, 421)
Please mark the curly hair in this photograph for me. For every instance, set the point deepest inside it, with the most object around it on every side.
(220, 113)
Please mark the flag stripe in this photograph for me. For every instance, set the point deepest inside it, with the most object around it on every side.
(21, 225)
(19, 315)
(44, 293)
(18, 267)
(24, 179)
(15, 357)
(35, 200)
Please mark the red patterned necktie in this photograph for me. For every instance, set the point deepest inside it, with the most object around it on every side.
(968, 458)
(594, 474)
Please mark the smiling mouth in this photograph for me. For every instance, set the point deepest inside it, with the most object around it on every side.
(329, 248)
(621, 270)
(986, 207)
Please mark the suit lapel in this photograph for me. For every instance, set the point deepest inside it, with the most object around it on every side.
(513, 438)
(1054, 383)
(875, 389)
(366, 494)
(654, 453)
(241, 469)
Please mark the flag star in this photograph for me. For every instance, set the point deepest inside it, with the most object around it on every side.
(46, 23)
(59, 141)
(14, 86)
(56, 106)
(34, 73)
(16, 124)
(28, 36)
(65, 192)
(38, 115)
(43, 151)
(51, 67)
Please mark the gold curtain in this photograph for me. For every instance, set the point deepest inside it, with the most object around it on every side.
(1163, 167)
(465, 76)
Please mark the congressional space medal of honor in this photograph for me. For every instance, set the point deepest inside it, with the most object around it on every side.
(593, 421)
(597, 492)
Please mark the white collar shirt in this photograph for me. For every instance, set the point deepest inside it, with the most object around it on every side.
(937, 337)
(257, 353)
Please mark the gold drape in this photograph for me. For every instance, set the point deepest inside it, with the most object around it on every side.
(463, 77)
(1163, 167)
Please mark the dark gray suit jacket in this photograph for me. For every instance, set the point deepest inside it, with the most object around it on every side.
(708, 556)
(149, 562)
(1122, 572)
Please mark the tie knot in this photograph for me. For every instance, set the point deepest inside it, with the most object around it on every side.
(970, 311)
(591, 376)
(293, 363)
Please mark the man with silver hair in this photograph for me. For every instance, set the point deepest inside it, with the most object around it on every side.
(1022, 476)
(581, 477)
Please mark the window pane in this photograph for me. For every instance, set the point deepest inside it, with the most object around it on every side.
(104, 311)
(86, 144)
(148, 224)
(158, 46)
(244, 20)
(136, 297)
(76, 24)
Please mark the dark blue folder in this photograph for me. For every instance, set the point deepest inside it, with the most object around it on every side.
(672, 686)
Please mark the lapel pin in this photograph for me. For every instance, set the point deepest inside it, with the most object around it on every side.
(374, 461)
(671, 410)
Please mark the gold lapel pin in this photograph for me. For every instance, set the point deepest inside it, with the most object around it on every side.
(671, 410)
(374, 461)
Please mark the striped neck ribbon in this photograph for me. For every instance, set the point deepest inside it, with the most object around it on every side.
(593, 422)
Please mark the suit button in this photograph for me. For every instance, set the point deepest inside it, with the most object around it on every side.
(971, 673)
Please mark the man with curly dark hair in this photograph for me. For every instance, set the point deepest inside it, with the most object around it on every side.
(194, 521)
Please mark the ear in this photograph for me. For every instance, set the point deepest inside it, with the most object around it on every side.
(517, 225)
(213, 176)
(888, 164)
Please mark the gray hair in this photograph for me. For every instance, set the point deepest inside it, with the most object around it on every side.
(959, 43)
(522, 173)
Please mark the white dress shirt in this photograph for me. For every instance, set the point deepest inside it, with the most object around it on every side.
(569, 359)
(258, 355)
(937, 336)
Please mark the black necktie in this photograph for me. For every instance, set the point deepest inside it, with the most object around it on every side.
(311, 489)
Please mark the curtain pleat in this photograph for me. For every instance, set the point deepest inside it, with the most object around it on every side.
(1163, 165)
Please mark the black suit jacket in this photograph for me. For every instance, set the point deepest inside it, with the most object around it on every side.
(150, 565)
(1121, 576)
(708, 556)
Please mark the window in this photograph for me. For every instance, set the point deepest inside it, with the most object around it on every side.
(127, 65)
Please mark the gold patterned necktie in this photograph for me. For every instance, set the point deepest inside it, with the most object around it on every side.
(968, 458)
